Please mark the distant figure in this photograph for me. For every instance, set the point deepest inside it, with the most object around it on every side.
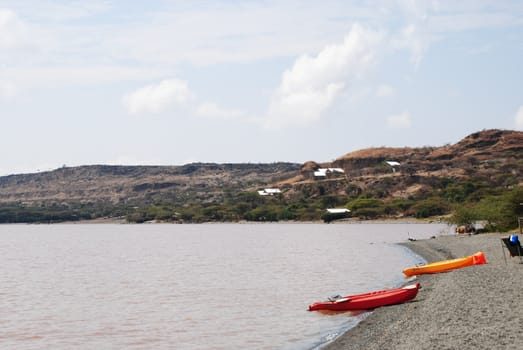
(468, 228)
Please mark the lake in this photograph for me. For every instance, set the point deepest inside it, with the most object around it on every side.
(210, 286)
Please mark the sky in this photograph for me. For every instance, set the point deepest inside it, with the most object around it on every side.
(168, 82)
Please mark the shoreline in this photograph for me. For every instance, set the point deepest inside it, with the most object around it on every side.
(476, 307)
(351, 221)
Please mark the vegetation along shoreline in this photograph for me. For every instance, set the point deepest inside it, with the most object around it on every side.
(476, 179)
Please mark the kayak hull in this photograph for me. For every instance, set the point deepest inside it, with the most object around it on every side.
(368, 301)
(446, 265)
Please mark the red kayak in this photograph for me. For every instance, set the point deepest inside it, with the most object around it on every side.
(367, 301)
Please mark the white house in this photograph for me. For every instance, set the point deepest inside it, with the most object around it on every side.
(393, 164)
(338, 211)
(320, 173)
(324, 172)
(269, 191)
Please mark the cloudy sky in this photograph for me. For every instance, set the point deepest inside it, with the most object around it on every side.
(171, 82)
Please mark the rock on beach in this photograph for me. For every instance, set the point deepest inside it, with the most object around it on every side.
(476, 307)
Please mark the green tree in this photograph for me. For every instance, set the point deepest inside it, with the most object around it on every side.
(368, 208)
(429, 207)
(463, 215)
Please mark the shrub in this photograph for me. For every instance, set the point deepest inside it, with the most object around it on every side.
(429, 207)
(463, 216)
(362, 203)
(367, 208)
(500, 211)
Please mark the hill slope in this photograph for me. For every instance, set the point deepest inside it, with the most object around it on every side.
(138, 184)
(493, 155)
(481, 164)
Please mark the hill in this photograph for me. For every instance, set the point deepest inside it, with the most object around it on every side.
(138, 184)
(492, 156)
(421, 182)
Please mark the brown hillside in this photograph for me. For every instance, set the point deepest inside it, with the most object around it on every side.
(493, 155)
(496, 155)
(140, 184)
(483, 146)
(381, 152)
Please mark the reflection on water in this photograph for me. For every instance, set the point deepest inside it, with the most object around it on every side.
(220, 286)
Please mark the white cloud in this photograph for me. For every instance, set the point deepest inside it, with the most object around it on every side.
(22, 43)
(13, 32)
(161, 35)
(157, 98)
(452, 18)
(233, 32)
(71, 10)
(385, 91)
(414, 38)
(311, 86)
(415, 35)
(518, 120)
(399, 121)
(212, 110)
(7, 89)
(45, 77)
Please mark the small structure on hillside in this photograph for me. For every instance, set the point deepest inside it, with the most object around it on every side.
(332, 214)
(320, 174)
(393, 164)
(338, 211)
(269, 191)
(323, 173)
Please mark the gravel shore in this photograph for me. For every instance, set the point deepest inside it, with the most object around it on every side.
(477, 307)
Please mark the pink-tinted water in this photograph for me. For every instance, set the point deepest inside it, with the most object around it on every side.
(216, 286)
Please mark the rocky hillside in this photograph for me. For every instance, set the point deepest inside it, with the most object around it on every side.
(495, 155)
(139, 184)
(399, 179)
(476, 152)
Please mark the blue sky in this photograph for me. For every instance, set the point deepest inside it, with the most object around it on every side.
(173, 82)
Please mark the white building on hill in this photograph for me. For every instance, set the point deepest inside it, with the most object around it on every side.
(269, 191)
(338, 211)
(393, 164)
(323, 173)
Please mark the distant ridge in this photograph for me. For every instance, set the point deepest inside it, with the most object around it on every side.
(483, 145)
(114, 183)
(492, 158)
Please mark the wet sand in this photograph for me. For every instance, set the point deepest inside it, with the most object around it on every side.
(477, 307)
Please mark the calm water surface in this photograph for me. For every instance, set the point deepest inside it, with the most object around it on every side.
(221, 286)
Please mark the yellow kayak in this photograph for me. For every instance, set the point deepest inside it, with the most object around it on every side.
(446, 265)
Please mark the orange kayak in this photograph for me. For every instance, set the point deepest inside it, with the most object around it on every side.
(446, 265)
(367, 301)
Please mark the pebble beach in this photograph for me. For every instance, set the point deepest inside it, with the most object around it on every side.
(477, 307)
